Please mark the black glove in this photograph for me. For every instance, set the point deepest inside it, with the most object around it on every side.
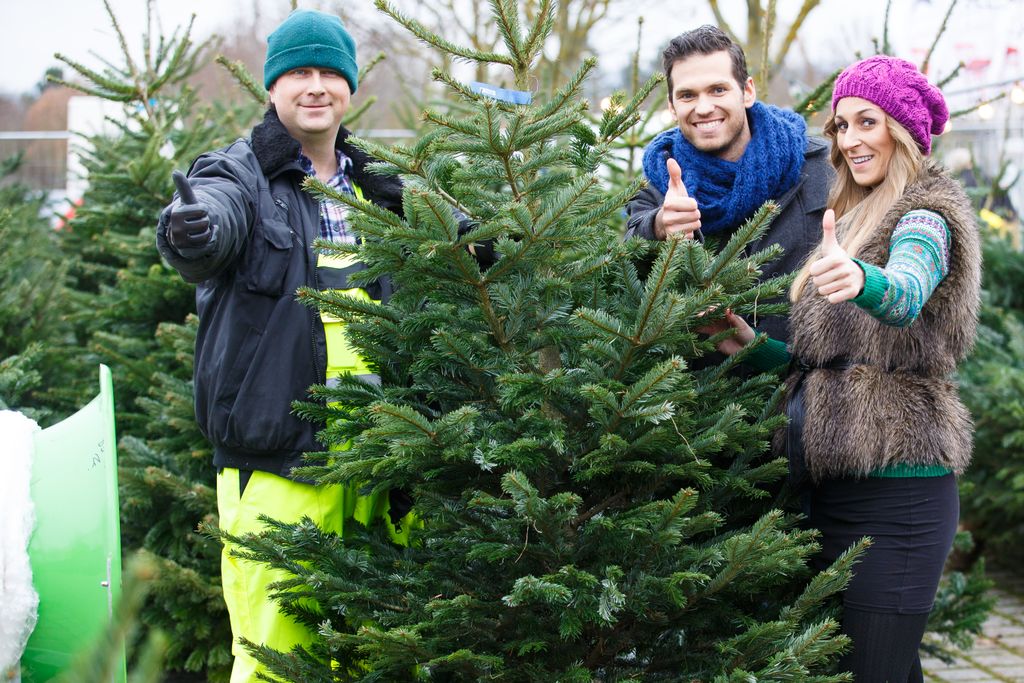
(188, 224)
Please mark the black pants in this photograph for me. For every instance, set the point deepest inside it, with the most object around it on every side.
(884, 646)
(911, 522)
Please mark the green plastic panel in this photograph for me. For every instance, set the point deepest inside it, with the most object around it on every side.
(75, 550)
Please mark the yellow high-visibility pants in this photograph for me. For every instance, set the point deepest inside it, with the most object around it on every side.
(252, 613)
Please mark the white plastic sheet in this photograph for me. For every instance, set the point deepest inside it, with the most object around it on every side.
(18, 599)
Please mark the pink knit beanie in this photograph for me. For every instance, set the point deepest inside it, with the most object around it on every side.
(901, 91)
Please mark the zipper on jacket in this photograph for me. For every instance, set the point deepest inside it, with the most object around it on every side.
(283, 205)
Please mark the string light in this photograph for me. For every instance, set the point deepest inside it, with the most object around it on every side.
(1017, 94)
(986, 112)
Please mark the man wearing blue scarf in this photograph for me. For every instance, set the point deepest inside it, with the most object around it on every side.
(728, 155)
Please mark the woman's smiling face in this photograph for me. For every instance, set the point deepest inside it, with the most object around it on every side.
(864, 139)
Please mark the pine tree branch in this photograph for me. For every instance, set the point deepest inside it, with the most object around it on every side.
(541, 29)
(662, 374)
(612, 204)
(818, 97)
(367, 66)
(534, 235)
(106, 88)
(754, 226)
(741, 551)
(241, 74)
(974, 107)
(176, 61)
(953, 74)
(430, 38)
(564, 95)
(506, 16)
(406, 416)
(682, 503)
(354, 114)
(556, 213)
(146, 58)
(942, 29)
(653, 296)
(133, 70)
(595, 510)
(506, 161)
(616, 125)
(602, 322)
(493, 323)
(457, 123)
(321, 191)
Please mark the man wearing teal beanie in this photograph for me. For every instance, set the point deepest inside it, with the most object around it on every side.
(308, 38)
(242, 229)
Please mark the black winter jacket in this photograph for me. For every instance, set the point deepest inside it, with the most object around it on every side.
(258, 349)
(797, 228)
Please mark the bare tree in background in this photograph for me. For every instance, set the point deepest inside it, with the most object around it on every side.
(575, 21)
(761, 26)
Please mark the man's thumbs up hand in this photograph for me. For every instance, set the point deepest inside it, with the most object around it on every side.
(188, 224)
(678, 214)
(675, 178)
(835, 274)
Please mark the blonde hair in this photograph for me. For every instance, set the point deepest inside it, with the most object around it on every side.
(860, 209)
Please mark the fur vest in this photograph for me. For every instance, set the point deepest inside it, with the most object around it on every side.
(895, 401)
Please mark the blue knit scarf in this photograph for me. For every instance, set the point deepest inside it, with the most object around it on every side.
(729, 192)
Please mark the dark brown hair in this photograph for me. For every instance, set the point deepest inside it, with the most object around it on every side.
(705, 40)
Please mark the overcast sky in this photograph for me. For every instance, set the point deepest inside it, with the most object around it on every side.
(31, 31)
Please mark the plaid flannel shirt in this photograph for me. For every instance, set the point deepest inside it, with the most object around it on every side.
(332, 215)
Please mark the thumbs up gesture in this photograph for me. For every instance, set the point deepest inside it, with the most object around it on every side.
(189, 222)
(835, 274)
(678, 214)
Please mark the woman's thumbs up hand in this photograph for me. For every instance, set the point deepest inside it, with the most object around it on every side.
(835, 274)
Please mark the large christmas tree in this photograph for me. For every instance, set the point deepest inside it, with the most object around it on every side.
(589, 507)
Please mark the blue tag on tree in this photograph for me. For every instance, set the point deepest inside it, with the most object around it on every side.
(501, 94)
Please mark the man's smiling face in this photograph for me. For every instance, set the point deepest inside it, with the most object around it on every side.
(310, 101)
(710, 107)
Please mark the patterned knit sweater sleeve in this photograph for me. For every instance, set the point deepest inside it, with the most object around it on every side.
(895, 295)
(918, 260)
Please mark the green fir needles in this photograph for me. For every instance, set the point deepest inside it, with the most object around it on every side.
(594, 494)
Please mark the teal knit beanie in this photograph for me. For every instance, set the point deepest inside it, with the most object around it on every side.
(310, 38)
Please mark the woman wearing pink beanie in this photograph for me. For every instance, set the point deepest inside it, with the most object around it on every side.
(883, 311)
